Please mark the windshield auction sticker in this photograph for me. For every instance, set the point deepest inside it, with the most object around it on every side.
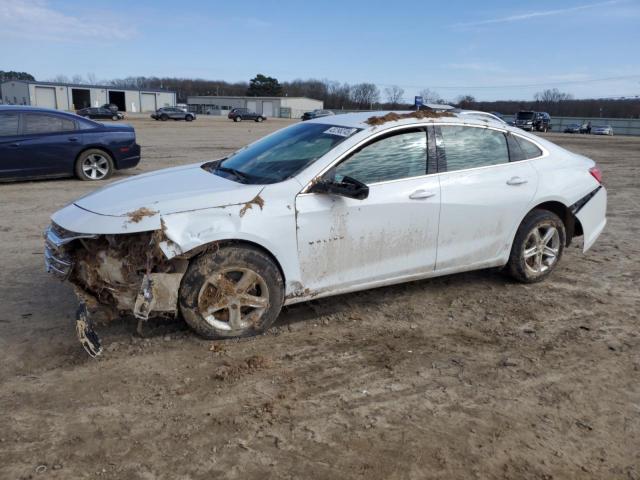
(341, 131)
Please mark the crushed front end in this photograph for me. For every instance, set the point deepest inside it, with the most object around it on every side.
(114, 275)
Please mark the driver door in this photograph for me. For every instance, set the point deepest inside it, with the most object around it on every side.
(344, 242)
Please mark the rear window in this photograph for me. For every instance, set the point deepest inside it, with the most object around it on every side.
(524, 115)
(36, 123)
(472, 147)
(8, 124)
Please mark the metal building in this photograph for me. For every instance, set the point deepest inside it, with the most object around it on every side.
(68, 96)
(283, 107)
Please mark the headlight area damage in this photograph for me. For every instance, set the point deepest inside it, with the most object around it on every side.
(115, 275)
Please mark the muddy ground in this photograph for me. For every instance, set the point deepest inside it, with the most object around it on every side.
(467, 376)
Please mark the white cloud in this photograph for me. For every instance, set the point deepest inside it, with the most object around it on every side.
(36, 20)
(530, 15)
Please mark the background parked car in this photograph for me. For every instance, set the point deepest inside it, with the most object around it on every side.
(602, 130)
(39, 142)
(110, 106)
(573, 128)
(530, 121)
(317, 113)
(239, 114)
(100, 112)
(174, 113)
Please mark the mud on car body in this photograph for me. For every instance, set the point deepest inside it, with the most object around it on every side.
(327, 206)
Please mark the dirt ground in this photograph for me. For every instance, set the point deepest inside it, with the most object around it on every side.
(466, 376)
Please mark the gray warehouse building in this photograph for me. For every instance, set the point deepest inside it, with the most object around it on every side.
(67, 96)
(283, 107)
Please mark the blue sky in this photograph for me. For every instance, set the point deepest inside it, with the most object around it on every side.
(489, 49)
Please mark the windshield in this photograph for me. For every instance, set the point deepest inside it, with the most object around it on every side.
(524, 115)
(283, 154)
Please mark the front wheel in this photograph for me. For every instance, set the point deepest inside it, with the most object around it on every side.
(164, 118)
(259, 119)
(189, 118)
(94, 164)
(236, 291)
(115, 117)
(538, 246)
(237, 119)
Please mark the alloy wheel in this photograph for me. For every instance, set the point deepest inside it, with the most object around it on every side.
(233, 299)
(541, 248)
(95, 166)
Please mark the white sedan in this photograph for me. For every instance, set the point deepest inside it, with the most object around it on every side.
(332, 205)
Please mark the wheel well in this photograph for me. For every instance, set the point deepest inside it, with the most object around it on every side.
(257, 246)
(571, 223)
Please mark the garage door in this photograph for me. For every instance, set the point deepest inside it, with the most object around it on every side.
(267, 109)
(252, 105)
(46, 97)
(148, 102)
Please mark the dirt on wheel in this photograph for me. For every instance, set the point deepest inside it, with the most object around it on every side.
(465, 376)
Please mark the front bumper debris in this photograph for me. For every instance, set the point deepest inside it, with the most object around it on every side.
(84, 330)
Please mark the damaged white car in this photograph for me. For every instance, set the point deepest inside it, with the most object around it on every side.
(328, 206)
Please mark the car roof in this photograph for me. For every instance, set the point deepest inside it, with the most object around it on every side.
(30, 109)
(359, 119)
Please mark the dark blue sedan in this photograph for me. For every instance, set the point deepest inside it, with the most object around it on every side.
(44, 143)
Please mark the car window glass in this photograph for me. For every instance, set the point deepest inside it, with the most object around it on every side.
(8, 124)
(84, 125)
(35, 123)
(515, 151)
(529, 149)
(399, 156)
(472, 147)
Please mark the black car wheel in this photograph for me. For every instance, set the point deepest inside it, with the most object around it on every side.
(237, 119)
(189, 118)
(259, 119)
(93, 165)
(164, 117)
(115, 117)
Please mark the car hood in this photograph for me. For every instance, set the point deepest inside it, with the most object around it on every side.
(171, 190)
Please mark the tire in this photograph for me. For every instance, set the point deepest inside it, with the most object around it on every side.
(259, 119)
(189, 118)
(237, 119)
(531, 260)
(94, 164)
(211, 283)
(115, 117)
(164, 117)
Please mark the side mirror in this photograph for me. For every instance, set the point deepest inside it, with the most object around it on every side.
(348, 187)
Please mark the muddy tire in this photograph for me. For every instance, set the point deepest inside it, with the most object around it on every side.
(236, 291)
(537, 248)
(94, 164)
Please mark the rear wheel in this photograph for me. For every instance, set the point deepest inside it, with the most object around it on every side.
(237, 119)
(259, 119)
(189, 118)
(234, 292)
(538, 246)
(115, 117)
(94, 164)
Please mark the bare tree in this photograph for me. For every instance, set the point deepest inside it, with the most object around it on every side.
(60, 79)
(394, 95)
(466, 101)
(92, 79)
(364, 95)
(429, 96)
(552, 95)
(77, 79)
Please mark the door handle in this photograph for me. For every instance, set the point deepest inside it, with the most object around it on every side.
(73, 139)
(421, 194)
(514, 181)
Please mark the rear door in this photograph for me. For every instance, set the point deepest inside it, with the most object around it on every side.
(484, 196)
(48, 144)
(10, 164)
(392, 234)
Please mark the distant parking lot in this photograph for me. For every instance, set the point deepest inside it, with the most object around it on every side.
(464, 376)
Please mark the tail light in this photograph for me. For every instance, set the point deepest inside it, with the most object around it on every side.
(596, 173)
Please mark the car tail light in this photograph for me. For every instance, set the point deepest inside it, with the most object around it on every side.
(596, 173)
(124, 149)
